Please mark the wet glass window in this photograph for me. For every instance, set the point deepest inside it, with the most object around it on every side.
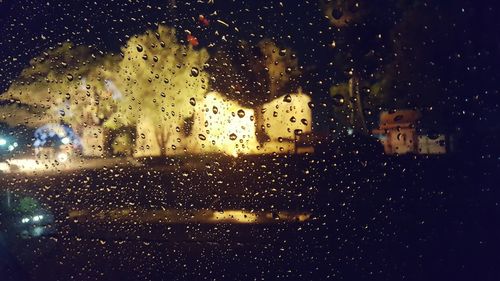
(249, 140)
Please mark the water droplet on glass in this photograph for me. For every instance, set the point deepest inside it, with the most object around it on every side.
(304, 121)
(195, 72)
(215, 109)
(139, 48)
(241, 113)
(337, 13)
(287, 98)
(192, 101)
(338, 100)
(233, 136)
(282, 52)
(292, 119)
(155, 59)
(398, 118)
(202, 137)
(70, 77)
(143, 136)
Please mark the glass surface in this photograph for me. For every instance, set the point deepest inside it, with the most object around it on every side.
(249, 140)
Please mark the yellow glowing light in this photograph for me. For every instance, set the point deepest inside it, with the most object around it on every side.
(4, 167)
(234, 216)
(26, 164)
(62, 157)
(221, 125)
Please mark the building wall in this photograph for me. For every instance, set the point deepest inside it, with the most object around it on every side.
(400, 141)
(428, 145)
(220, 125)
(282, 117)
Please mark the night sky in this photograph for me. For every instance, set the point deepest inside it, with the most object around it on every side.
(463, 45)
(30, 27)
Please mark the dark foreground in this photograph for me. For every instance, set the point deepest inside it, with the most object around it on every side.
(398, 218)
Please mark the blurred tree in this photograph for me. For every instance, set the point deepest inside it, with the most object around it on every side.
(361, 45)
(159, 81)
(255, 75)
(401, 54)
(64, 84)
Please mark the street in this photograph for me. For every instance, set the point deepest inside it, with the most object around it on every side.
(301, 218)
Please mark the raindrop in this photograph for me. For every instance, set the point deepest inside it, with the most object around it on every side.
(145, 57)
(241, 113)
(202, 137)
(70, 77)
(282, 52)
(143, 136)
(292, 119)
(155, 59)
(337, 13)
(338, 100)
(192, 101)
(215, 109)
(287, 98)
(398, 118)
(304, 121)
(195, 72)
(275, 216)
(233, 136)
(139, 48)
